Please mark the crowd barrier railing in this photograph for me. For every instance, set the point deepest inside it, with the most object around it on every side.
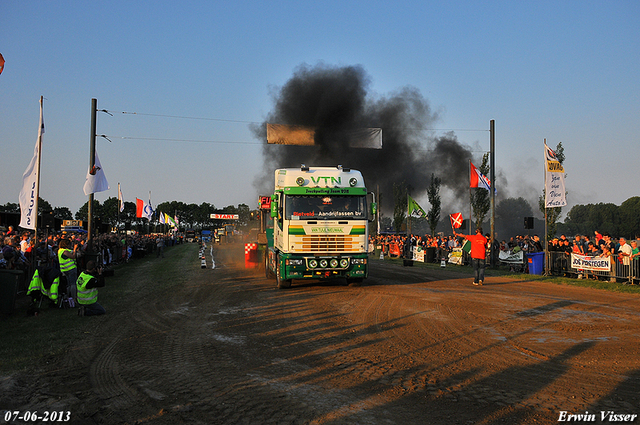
(612, 268)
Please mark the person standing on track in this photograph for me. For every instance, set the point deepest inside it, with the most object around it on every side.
(478, 254)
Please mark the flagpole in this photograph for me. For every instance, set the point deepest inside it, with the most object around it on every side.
(35, 222)
(470, 205)
(546, 236)
(492, 199)
(92, 163)
(118, 215)
(408, 217)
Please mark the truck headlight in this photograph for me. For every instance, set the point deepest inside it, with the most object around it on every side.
(323, 263)
(334, 263)
(292, 262)
(344, 263)
(358, 261)
(313, 264)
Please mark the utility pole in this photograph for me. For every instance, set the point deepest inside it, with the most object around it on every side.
(92, 163)
(492, 177)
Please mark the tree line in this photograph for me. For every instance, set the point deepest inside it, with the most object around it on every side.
(106, 214)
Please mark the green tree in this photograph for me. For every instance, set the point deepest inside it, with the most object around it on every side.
(63, 213)
(400, 191)
(83, 212)
(110, 211)
(10, 207)
(510, 213)
(480, 198)
(433, 194)
(43, 206)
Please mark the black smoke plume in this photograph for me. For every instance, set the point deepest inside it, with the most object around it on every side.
(332, 99)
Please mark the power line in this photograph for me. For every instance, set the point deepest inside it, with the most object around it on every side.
(183, 140)
(239, 142)
(188, 118)
(260, 122)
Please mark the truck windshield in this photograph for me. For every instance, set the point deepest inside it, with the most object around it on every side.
(304, 207)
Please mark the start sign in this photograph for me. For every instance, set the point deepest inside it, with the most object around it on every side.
(224, 216)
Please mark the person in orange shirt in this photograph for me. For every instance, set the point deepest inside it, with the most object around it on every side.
(478, 254)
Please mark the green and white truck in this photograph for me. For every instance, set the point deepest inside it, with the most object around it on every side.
(320, 225)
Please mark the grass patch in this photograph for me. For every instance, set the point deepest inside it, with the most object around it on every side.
(29, 340)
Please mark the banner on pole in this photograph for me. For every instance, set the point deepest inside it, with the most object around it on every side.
(28, 197)
(555, 193)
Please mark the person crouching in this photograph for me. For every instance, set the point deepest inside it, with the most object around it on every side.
(88, 283)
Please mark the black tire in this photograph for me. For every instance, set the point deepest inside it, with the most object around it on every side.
(267, 271)
(354, 281)
(281, 283)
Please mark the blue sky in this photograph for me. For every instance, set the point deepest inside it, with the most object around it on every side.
(565, 71)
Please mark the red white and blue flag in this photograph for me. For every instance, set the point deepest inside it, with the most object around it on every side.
(143, 210)
(478, 179)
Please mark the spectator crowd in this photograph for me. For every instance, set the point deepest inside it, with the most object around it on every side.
(624, 254)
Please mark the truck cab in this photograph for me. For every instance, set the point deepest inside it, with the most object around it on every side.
(320, 225)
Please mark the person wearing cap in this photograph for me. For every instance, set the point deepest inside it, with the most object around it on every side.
(88, 283)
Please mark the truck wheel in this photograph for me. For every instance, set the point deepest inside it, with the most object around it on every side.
(267, 271)
(282, 283)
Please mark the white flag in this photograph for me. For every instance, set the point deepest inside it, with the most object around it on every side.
(96, 180)
(28, 197)
(120, 199)
(161, 218)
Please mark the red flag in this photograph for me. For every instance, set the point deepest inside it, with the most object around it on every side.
(456, 220)
(478, 179)
(1, 63)
(139, 207)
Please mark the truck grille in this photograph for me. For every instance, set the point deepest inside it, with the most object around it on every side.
(322, 244)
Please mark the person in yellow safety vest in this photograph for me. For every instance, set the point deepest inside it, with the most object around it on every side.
(87, 284)
(37, 284)
(67, 260)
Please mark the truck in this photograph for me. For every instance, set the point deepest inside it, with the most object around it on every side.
(320, 225)
(190, 235)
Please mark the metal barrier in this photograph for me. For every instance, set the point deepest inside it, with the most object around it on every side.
(561, 264)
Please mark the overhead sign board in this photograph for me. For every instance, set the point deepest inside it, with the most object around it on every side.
(224, 216)
(72, 223)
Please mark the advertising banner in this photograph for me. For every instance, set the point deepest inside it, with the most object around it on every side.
(582, 262)
(455, 257)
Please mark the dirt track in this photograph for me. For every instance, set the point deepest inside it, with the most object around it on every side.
(412, 345)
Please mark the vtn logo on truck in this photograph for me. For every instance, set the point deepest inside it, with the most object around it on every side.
(334, 180)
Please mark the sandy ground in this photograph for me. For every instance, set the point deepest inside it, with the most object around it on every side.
(411, 345)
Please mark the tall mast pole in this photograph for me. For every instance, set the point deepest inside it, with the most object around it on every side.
(40, 130)
(546, 234)
(470, 221)
(92, 163)
(492, 130)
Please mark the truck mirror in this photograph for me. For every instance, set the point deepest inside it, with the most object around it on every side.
(274, 208)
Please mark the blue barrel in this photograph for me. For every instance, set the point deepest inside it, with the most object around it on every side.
(536, 262)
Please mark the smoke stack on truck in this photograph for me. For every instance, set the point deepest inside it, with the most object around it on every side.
(320, 225)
